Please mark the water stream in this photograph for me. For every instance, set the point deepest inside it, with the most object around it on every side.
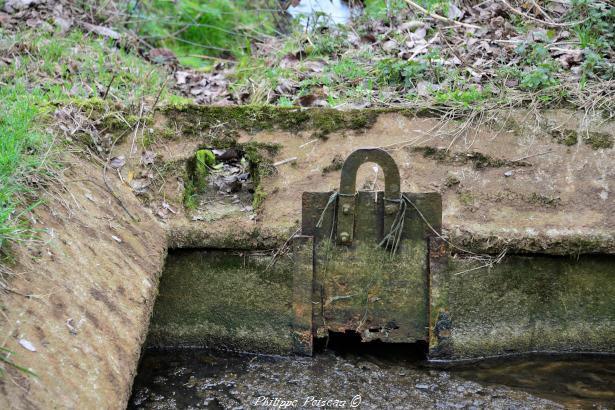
(335, 11)
(380, 378)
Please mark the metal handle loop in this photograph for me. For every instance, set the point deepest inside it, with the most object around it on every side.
(348, 182)
(348, 186)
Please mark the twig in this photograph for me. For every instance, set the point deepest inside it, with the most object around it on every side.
(134, 136)
(307, 143)
(281, 249)
(111, 191)
(284, 161)
(541, 10)
(489, 264)
(537, 20)
(159, 93)
(439, 17)
(532, 155)
(109, 86)
(226, 60)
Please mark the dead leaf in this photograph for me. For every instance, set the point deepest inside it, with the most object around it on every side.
(571, 58)
(140, 185)
(166, 206)
(162, 56)
(411, 25)
(117, 162)
(454, 13)
(285, 86)
(148, 157)
(389, 45)
(419, 34)
(102, 31)
(65, 24)
(181, 77)
(315, 66)
(13, 6)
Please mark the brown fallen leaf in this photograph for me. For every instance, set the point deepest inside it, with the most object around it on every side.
(162, 56)
(117, 162)
(389, 45)
(148, 157)
(13, 6)
(571, 58)
(101, 31)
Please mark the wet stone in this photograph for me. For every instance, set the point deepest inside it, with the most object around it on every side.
(229, 381)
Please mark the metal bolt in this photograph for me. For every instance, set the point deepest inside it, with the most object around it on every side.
(346, 209)
(390, 209)
(345, 236)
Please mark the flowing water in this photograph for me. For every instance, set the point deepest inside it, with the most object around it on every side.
(368, 379)
(334, 11)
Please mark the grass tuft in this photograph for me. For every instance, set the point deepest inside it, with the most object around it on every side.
(46, 71)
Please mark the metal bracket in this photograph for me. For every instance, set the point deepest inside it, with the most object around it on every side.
(348, 187)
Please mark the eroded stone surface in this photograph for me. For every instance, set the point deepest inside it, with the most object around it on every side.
(81, 296)
(507, 183)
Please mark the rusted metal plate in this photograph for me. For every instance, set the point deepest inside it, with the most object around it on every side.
(358, 284)
(303, 280)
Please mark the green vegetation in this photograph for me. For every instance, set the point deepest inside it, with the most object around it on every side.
(378, 9)
(47, 71)
(5, 356)
(23, 151)
(204, 161)
(196, 30)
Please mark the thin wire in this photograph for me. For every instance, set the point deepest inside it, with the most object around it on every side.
(393, 238)
(406, 199)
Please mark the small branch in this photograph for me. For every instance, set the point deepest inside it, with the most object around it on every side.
(109, 86)
(537, 20)
(439, 17)
(531, 156)
(159, 94)
(281, 250)
(224, 60)
(284, 161)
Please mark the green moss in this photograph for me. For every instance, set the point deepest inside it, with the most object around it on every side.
(528, 303)
(598, 140)
(190, 195)
(451, 180)
(539, 199)
(336, 164)
(477, 159)
(466, 198)
(204, 159)
(259, 197)
(253, 118)
(224, 300)
(565, 137)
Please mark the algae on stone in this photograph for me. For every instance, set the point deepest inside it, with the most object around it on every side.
(204, 161)
(225, 300)
(527, 303)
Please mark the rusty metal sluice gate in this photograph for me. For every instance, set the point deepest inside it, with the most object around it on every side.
(361, 261)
